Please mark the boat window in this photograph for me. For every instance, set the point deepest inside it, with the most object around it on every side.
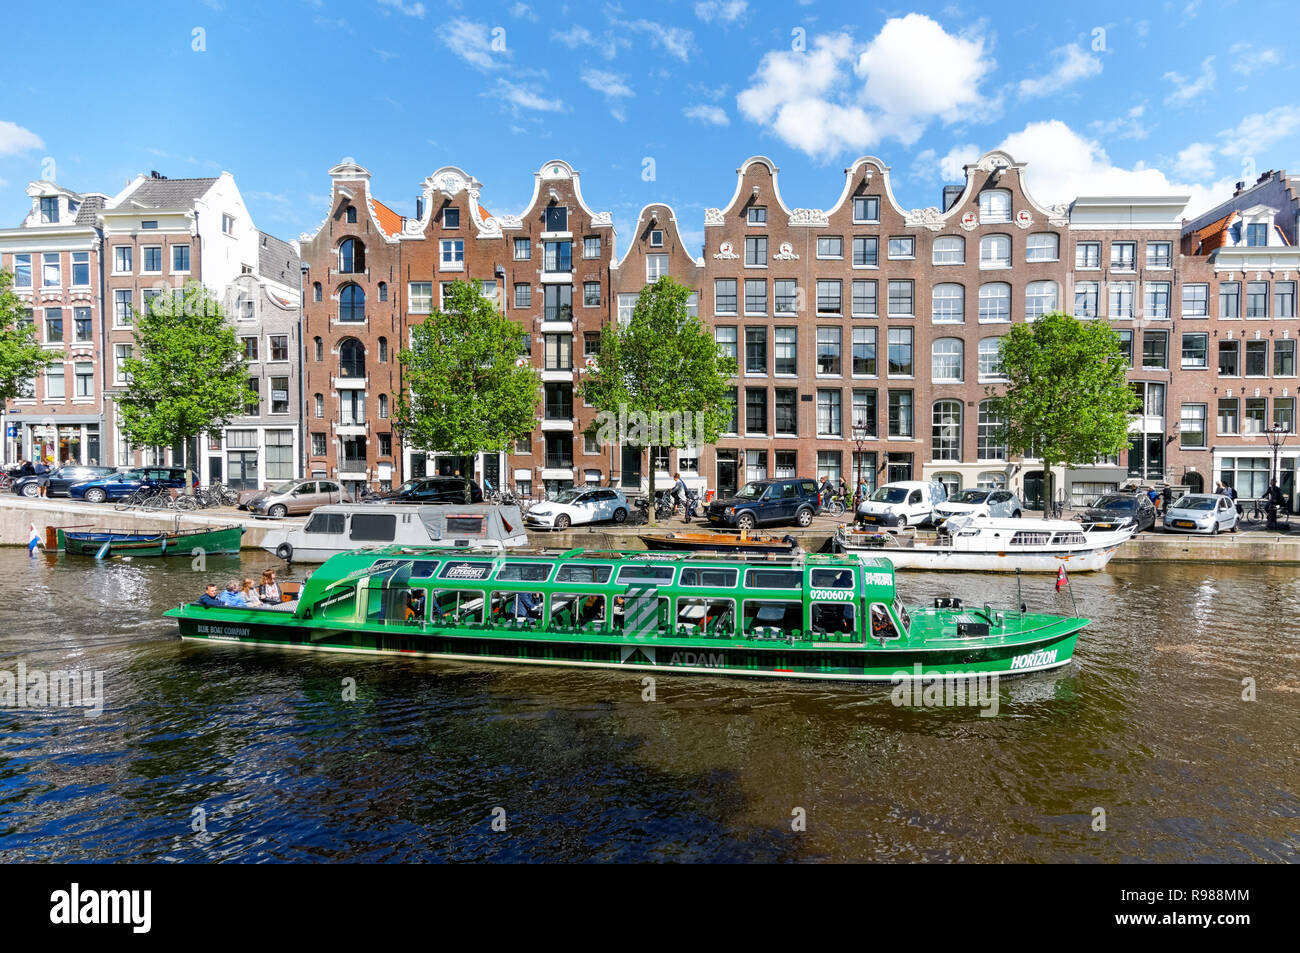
(461, 606)
(465, 525)
(524, 572)
(773, 579)
(466, 569)
(882, 626)
(640, 615)
(901, 611)
(338, 605)
(423, 568)
(396, 606)
(510, 607)
(836, 617)
(643, 573)
(714, 578)
(330, 524)
(577, 610)
(580, 573)
(374, 527)
(702, 616)
(1031, 539)
(1068, 539)
(770, 617)
(832, 578)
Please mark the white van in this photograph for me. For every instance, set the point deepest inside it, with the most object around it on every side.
(905, 503)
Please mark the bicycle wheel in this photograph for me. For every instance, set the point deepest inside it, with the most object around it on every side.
(126, 502)
(186, 503)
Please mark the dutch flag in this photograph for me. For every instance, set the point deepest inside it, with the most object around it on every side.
(33, 539)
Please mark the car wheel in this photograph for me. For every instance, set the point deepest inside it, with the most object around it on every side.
(31, 490)
(745, 521)
(804, 517)
(1214, 529)
(1015, 515)
(285, 552)
(96, 495)
(562, 521)
(620, 515)
(902, 522)
(278, 512)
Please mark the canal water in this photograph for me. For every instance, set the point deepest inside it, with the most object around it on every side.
(220, 753)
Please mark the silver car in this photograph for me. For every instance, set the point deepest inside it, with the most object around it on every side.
(1201, 513)
(292, 497)
(994, 502)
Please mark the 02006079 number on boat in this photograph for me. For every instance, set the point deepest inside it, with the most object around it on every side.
(819, 616)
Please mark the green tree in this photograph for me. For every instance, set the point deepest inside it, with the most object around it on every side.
(469, 391)
(661, 379)
(21, 356)
(1067, 398)
(186, 374)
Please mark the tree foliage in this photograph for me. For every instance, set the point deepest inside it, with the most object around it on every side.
(186, 374)
(1067, 398)
(21, 355)
(663, 362)
(469, 392)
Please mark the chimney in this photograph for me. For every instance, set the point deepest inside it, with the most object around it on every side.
(1238, 188)
(419, 206)
(951, 193)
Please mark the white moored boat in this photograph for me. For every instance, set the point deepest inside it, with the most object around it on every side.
(981, 544)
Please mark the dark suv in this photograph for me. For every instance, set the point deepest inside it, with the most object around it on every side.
(768, 501)
(429, 490)
(1117, 510)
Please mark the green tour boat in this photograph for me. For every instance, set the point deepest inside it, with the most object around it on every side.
(818, 616)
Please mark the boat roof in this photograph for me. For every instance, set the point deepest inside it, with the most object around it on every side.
(1014, 525)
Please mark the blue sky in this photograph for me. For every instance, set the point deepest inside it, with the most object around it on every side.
(1098, 98)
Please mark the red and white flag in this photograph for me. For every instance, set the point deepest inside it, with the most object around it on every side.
(1062, 580)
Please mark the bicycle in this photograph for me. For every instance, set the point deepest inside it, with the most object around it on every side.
(837, 505)
(1258, 513)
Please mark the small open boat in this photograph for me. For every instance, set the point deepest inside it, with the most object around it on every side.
(740, 542)
(104, 543)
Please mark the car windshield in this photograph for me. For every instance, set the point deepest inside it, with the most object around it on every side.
(751, 491)
(408, 486)
(1194, 503)
(132, 475)
(971, 496)
(285, 487)
(567, 496)
(1117, 503)
(889, 494)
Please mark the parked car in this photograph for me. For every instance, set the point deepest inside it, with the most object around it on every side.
(761, 502)
(117, 485)
(1117, 510)
(995, 502)
(579, 505)
(292, 497)
(1201, 513)
(58, 480)
(905, 503)
(428, 490)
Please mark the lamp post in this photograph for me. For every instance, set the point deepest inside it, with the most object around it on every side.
(1276, 436)
(859, 438)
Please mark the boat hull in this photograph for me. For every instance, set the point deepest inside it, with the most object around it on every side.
(927, 559)
(701, 657)
(722, 543)
(226, 540)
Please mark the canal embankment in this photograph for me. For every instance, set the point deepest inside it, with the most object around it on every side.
(18, 514)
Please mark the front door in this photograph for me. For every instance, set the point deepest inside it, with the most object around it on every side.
(1034, 488)
(242, 465)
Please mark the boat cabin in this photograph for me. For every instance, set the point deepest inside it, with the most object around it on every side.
(820, 598)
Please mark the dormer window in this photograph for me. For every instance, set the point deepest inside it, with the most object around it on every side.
(50, 210)
(1257, 234)
(757, 215)
(557, 218)
(451, 218)
(656, 238)
(995, 206)
(351, 215)
(150, 224)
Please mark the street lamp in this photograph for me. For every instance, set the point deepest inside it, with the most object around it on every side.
(1276, 436)
(860, 433)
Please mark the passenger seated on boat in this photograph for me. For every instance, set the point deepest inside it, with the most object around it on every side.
(209, 597)
(832, 616)
(249, 592)
(231, 596)
(414, 605)
(268, 591)
(527, 605)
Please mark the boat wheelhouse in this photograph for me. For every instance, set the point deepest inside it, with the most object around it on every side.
(982, 544)
(822, 616)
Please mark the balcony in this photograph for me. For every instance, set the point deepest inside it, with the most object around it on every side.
(352, 464)
(559, 461)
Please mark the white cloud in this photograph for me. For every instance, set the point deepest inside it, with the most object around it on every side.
(14, 139)
(1251, 60)
(416, 10)
(1187, 89)
(610, 84)
(607, 43)
(522, 11)
(673, 40)
(712, 115)
(1072, 65)
(952, 166)
(842, 94)
(724, 11)
(1259, 131)
(1196, 161)
(520, 97)
(385, 55)
(1128, 126)
(472, 42)
(277, 197)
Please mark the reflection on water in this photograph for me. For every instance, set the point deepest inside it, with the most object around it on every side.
(1148, 723)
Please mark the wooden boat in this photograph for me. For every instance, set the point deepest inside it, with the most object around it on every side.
(813, 616)
(104, 543)
(722, 542)
(983, 544)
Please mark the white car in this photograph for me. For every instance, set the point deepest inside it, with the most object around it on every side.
(579, 505)
(1201, 513)
(996, 503)
(905, 503)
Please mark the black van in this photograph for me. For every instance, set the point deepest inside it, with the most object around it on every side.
(762, 502)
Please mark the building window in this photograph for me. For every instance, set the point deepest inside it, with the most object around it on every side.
(900, 413)
(316, 291)
(56, 387)
(1284, 299)
(1156, 305)
(122, 259)
(122, 312)
(250, 348)
(121, 354)
(557, 218)
(1257, 299)
(1123, 256)
(1125, 345)
(51, 270)
(1284, 358)
(995, 206)
(866, 209)
(591, 246)
(1085, 299)
(1121, 299)
(626, 307)
(1228, 415)
(830, 246)
(1284, 414)
(1196, 301)
(84, 379)
(864, 352)
(1044, 246)
(383, 350)
(948, 304)
(945, 438)
(902, 247)
(756, 215)
(1256, 358)
(279, 347)
(451, 218)
(829, 351)
(318, 445)
(352, 408)
(523, 249)
(864, 299)
(1230, 299)
(990, 360)
(591, 294)
(1253, 421)
(591, 344)
(785, 420)
(755, 296)
(383, 406)
(755, 350)
(558, 352)
(756, 251)
(557, 303)
(352, 303)
(50, 210)
(279, 395)
(995, 302)
(1040, 299)
(1155, 350)
(523, 296)
(80, 269)
(946, 361)
(829, 297)
(786, 355)
(726, 340)
(320, 408)
(318, 350)
(453, 254)
(53, 325)
(656, 267)
(1087, 255)
(785, 296)
(995, 251)
(1191, 427)
(900, 299)
(756, 410)
(81, 325)
(949, 250)
(1160, 254)
(900, 352)
(1229, 359)
(724, 296)
(865, 251)
(254, 405)
(1196, 351)
(350, 216)
(1257, 234)
(22, 271)
(989, 443)
(829, 413)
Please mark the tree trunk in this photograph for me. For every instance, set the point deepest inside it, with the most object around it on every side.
(650, 513)
(469, 492)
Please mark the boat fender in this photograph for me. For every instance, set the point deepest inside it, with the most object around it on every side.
(285, 552)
